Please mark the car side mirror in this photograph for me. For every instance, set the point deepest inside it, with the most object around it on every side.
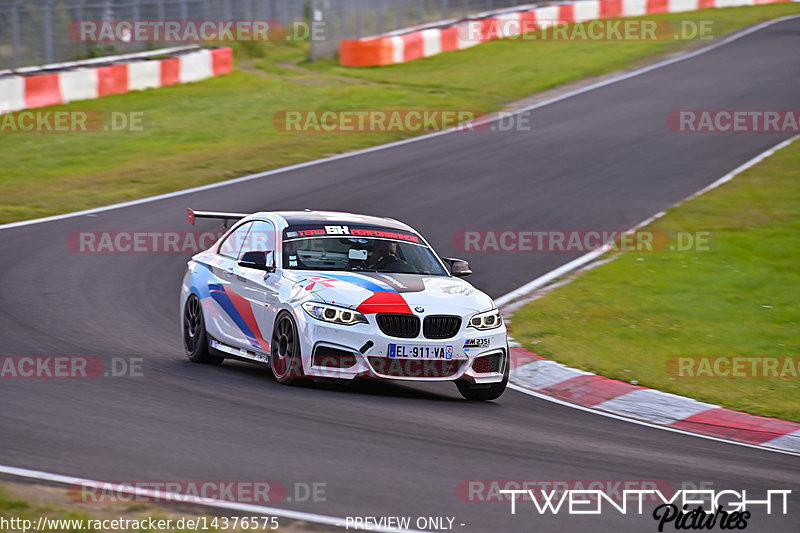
(458, 267)
(258, 261)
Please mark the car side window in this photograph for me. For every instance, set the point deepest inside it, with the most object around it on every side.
(232, 245)
(261, 237)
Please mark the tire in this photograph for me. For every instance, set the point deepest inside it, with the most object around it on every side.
(484, 393)
(285, 360)
(195, 339)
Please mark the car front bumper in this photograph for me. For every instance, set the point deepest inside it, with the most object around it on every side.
(329, 349)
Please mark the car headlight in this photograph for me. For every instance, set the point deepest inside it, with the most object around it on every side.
(333, 314)
(486, 320)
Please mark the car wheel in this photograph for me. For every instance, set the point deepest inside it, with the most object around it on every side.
(195, 340)
(484, 392)
(285, 359)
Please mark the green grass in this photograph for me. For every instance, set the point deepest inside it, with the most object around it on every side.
(222, 128)
(625, 319)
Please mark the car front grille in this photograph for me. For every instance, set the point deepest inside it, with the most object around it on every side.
(415, 368)
(441, 326)
(402, 326)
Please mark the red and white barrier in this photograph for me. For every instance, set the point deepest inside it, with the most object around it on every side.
(401, 47)
(12, 93)
(84, 83)
(196, 66)
(78, 84)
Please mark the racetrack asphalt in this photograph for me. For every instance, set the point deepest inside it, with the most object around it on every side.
(604, 159)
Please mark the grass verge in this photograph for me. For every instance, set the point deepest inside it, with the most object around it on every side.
(626, 319)
(222, 128)
(21, 502)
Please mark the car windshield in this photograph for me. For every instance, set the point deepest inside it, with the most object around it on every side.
(360, 254)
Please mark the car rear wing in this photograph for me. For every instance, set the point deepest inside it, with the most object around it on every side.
(225, 217)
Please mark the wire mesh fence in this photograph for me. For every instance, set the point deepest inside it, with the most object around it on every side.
(354, 19)
(36, 32)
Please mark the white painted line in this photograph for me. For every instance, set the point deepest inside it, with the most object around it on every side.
(186, 499)
(315, 162)
(547, 398)
(544, 279)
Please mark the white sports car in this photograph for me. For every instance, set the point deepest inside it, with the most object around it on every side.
(323, 295)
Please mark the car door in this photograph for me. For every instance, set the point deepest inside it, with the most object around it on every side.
(232, 322)
(256, 288)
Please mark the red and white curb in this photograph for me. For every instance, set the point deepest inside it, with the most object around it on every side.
(553, 379)
(40, 89)
(409, 44)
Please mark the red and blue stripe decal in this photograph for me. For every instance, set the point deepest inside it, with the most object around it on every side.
(384, 299)
(238, 308)
(234, 305)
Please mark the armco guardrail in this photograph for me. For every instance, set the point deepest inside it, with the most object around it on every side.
(47, 87)
(415, 43)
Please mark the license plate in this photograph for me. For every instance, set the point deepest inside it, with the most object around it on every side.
(420, 351)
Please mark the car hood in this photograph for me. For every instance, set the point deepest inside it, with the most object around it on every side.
(373, 292)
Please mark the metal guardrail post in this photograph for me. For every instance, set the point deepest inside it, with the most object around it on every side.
(343, 27)
(359, 21)
(400, 17)
(47, 23)
(15, 32)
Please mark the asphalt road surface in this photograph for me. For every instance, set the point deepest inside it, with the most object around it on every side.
(604, 159)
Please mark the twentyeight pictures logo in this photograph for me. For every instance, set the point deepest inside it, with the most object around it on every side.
(684, 509)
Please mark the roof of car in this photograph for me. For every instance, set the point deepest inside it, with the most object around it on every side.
(333, 218)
